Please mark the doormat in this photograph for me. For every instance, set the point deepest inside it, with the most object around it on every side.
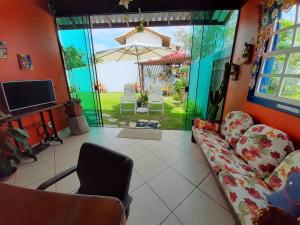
(142, 134)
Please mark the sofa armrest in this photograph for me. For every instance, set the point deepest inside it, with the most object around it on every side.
(291, 163)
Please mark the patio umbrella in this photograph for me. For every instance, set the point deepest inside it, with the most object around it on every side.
(134, 51)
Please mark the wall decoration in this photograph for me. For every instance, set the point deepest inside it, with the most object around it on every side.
(248, 53)
(234, 71)
(125, 3)
(269, 12)
(3, 50)
(25, 62)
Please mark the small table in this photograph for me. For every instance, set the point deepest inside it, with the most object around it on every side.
(142, 110)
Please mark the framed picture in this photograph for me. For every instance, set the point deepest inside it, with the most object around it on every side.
(3, 50)
(25, 62)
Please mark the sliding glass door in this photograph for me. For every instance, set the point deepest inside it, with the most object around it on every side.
(210, 43)
(78, 52)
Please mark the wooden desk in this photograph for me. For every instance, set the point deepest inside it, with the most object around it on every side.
(20, 206)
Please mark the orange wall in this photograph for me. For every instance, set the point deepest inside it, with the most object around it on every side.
(236, 98)
(27, 27)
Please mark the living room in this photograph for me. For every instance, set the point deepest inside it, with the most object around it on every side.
(169, 179)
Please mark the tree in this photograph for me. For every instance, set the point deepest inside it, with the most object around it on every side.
(74, 58)
(183, 36)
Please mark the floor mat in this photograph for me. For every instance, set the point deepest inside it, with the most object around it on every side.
(138, 133)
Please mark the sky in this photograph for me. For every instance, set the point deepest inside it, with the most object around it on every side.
(105, 38)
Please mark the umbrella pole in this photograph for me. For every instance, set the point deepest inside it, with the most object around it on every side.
(138, 63)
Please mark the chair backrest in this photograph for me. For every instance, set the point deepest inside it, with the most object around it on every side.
(103, 172)
(155, 90)
(129, 90)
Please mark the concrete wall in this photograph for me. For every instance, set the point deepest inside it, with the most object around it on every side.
(145, 37)
(114, 75)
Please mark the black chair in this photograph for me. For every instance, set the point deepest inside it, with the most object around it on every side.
(101, 172)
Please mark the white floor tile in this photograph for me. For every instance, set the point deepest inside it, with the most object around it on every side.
(149, 166)
(134, 151)
(70, 145)
(31, 174)
(69, 184)
(146, 208)
(136, 181)
(153, 145)
(192, 169)
(65, 162)
(199, 209)
(121, 142)
(172, 220)
(169, 136)
(171, 187)
(183, 144)
(210, 187)
(169, 154)
(197, 154)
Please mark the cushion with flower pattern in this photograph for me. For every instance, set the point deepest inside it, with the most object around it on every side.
(235, 125)
(224, 159)
(290, 164)
(246, 194)
(209, 136)
(263, 148)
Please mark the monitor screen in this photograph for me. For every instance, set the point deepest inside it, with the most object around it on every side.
(25, 94)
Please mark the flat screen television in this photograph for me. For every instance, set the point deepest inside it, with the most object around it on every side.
(26, 94)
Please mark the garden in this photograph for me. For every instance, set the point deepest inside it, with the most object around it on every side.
(173, 117)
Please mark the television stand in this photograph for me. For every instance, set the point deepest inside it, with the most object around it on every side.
(40, 110)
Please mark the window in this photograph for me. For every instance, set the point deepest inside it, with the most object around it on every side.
(279, 77)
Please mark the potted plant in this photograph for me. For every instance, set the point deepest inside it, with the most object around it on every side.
(179, 86)
(184, 71)
(13, 143)
(143, 99)
(77, 122)
(73, 107)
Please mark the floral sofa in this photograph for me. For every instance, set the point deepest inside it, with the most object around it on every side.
(249, 161)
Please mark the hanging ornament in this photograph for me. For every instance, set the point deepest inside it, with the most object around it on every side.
(125, 3)
(140, 27)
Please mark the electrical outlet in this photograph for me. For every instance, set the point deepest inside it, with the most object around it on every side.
(50, 124)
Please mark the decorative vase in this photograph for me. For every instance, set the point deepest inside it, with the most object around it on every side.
(181, 93)
(6, 169)
(78, 125)
(73, 109)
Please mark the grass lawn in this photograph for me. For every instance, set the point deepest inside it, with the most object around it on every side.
(172, 119)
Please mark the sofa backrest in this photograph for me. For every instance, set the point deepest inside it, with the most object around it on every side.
(235, 125)
(263, 148)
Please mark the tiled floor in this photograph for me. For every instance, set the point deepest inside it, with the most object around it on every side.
(171, 183)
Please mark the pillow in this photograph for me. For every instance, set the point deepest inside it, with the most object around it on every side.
(235, 125)
(205, 124)
(263, 148)
(289, 197)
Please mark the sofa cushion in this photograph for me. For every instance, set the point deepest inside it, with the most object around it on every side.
(218, 153)
(209, 136)
(290, 164)
(234, 126)
(246, 194)
(263, 148)
(224, 162)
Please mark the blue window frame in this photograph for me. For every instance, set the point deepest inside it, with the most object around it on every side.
(278, 82)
